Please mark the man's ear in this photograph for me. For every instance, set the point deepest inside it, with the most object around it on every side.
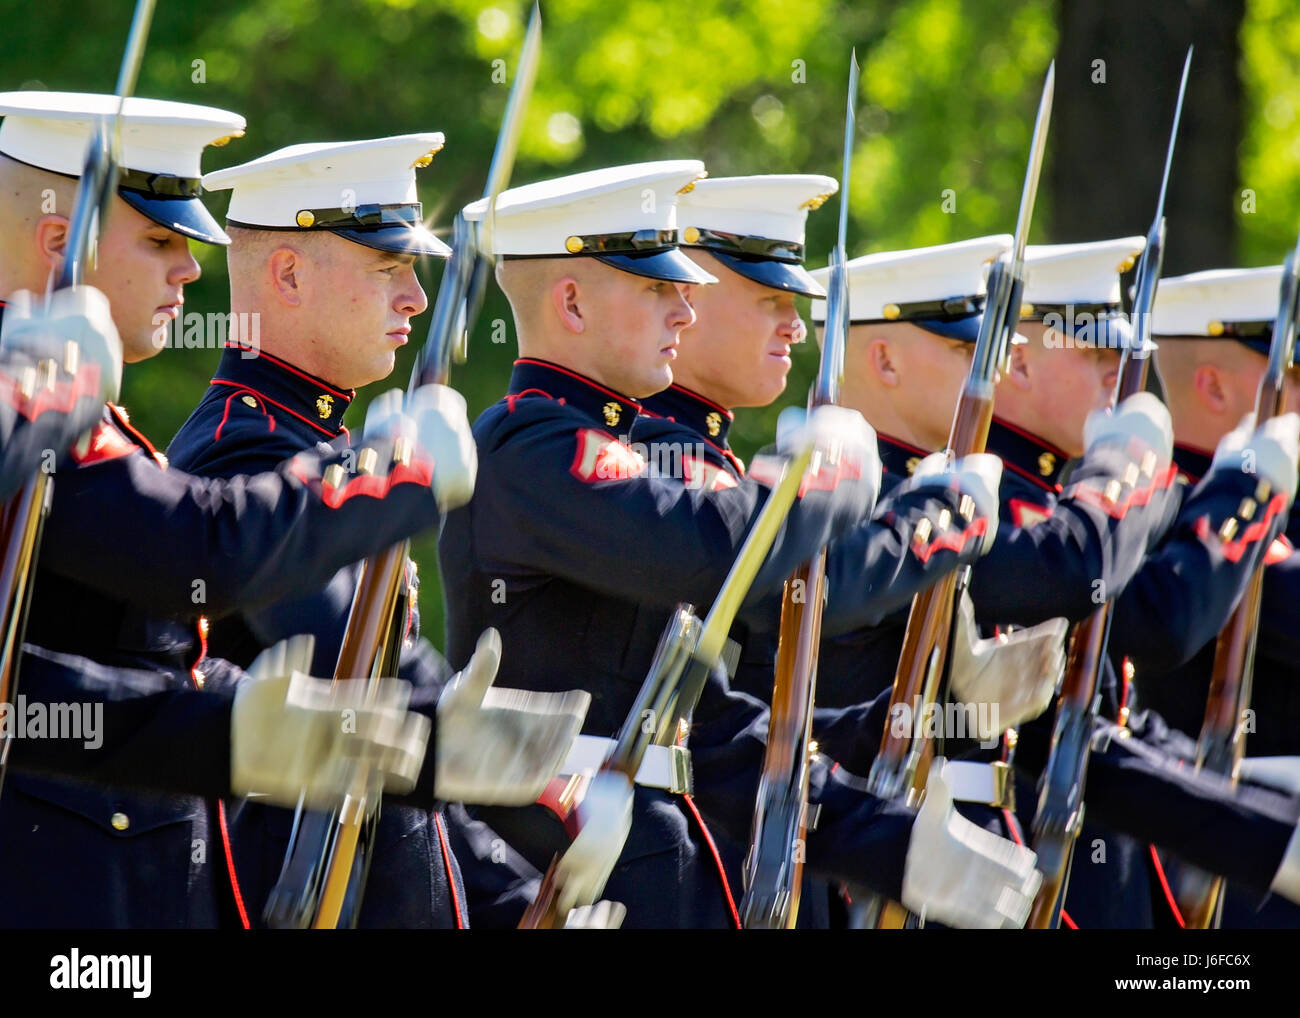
(566, 299)
(1207, 382)
(286, 270)
(1019, 371)
(882, 363)
(52, 240)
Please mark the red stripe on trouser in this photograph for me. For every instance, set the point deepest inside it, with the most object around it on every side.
(1164, 886)
(717, 861)
(230, 864)
(461, 919)
(221, 809)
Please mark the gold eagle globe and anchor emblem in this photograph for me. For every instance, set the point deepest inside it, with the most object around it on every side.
(1046, 464)
(324, 405)
(714, 423)
(612, 412)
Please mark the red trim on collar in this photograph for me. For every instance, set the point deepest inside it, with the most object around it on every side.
(581, 378)
(1054, 488)
(262, 395)
(703, 399)
(1064, 456)
(350, 395)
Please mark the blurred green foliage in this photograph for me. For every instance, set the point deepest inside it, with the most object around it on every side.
(949, 89)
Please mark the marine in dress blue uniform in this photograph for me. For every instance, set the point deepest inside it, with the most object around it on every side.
(545, 554)
(260, 409)
(84, 854)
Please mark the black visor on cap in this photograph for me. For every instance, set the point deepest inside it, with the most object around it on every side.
(963, 327)
(403, 239)
(778, 275)
(187, 216)
(669, 264)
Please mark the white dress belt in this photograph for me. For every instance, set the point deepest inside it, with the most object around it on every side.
(667, 767)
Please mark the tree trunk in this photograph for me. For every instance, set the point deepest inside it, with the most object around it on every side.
(1108, 137)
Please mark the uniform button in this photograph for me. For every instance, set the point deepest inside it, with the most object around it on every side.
(120, 821)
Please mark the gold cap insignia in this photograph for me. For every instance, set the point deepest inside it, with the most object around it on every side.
(911, 464)
(223, 142)
(815, 203)
(249, 401)
(305, 218)
(1026, 310)
(573, 245)
(690, 235)
(426, 159)
(1128, 263)
(324, 405)
(1214, 329)
(691, 186)
(891, 311)
(1046, 464)
(714, 423)
(612, 412)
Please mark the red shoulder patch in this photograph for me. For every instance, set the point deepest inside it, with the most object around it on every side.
(602, 457)
(106, 443)
(1026, 514)
(702, 475)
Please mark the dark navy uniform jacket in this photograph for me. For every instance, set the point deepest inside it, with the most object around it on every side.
(132, 553)
(257, 412)
(577, 551)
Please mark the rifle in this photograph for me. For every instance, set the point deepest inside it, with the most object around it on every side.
(688, 651)
(902, 765)
(22, 519)
(1222, 742)
(1060, 803)
(774, 867)
(324, 871)
(896, 768)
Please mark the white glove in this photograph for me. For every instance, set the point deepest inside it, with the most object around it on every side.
(501, 746)
(962, 875)
(1017, 673)
(1270, 451)
(604, 818)
(77, 314)
(604, 915)
(435, 417)
(1278, 772)
(1141, 418)
(292, 734)
(978, 475)
(838, 433)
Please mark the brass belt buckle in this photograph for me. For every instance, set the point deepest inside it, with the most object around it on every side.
(679, 765)
(1004, 786)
